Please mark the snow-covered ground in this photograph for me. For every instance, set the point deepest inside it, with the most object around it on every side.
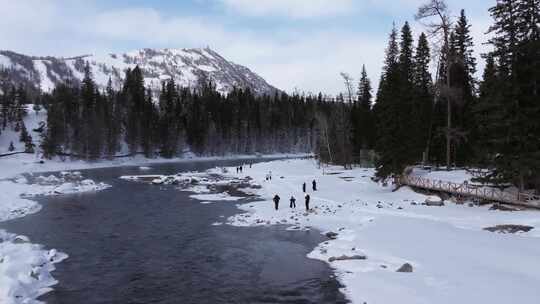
(32, 122)
(454, 176)
(373, 232)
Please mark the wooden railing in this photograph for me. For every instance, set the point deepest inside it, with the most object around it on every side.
(473, 191)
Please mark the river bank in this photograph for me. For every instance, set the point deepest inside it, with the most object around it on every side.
(454, 257)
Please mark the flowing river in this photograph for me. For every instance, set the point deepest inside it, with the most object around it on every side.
(139, 243)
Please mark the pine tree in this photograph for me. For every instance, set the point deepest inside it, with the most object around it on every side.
(392, 155)
(463, 47)
(423, 101)
(404, 103)
(361, 122)
(488, 113)
(516, 43)
(463, 84)
(113, 121)
(26, 138)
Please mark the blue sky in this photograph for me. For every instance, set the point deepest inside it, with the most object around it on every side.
(295, 44)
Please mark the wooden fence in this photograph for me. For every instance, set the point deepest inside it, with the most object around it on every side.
(473, 191)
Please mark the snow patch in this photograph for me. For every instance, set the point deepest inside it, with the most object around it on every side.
(215, 197)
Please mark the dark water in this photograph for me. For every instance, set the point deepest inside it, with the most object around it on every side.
(137, 243)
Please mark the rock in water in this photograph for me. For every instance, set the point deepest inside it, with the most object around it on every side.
(502, 207)
(405, 268)
(331, 235)
(347, 258)
(434, 201)
(509, 228)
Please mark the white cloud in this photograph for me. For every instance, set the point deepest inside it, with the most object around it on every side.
(310, 62)
(291, 8)
(307, 58)
(148, 25)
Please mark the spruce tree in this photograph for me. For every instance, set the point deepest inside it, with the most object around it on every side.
(423, 100)
(26, 138)
(404, 103)
(363, 127)
(516, 43)
(392, 155)
(463, 84)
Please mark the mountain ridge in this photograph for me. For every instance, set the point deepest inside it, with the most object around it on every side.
(186, 66)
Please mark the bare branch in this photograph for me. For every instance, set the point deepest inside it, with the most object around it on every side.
(348, 84)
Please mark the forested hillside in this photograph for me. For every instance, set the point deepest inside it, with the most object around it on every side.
(84, 122)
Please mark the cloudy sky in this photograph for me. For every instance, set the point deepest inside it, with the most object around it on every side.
(295, 44)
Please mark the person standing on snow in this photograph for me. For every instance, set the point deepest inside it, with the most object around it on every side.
(293, 202)
(314, 185)
(276, 201)
(304, 187)
(307, 202)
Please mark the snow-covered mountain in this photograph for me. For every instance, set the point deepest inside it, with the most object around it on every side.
(185, 66)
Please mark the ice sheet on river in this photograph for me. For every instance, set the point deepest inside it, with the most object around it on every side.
(209, 186)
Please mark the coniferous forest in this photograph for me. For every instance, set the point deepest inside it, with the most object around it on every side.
(418, 115)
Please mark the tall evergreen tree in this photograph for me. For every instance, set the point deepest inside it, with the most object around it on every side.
(463, 86)
(392, 156)
(404, 103)
(516, 45)
(363, 124)
(423, 101)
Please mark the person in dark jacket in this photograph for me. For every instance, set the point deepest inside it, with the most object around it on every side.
(304, 187)
(276, 201)
(314, 185)
(307, 202)
(293, 202)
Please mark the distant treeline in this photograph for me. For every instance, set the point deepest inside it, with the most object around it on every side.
(86, 122)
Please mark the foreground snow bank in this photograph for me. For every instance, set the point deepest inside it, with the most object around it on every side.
(374, 232)
(25, 269)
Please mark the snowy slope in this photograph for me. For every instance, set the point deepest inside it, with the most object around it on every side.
(185, 66)
(32, 122)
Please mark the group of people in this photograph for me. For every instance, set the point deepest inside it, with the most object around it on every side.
(307, 197)
(240, 168)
